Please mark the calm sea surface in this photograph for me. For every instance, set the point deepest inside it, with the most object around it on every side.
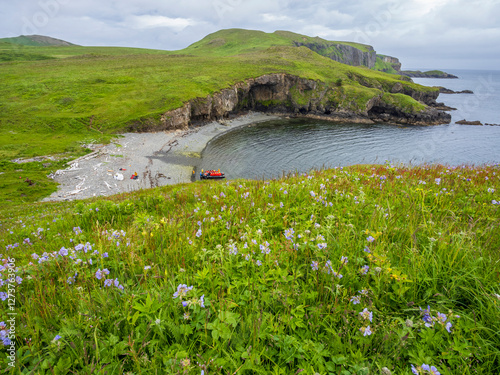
(269, 149)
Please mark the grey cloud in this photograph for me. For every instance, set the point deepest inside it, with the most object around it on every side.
(417, 31)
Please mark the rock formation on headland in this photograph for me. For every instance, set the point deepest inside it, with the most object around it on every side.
(288, 94)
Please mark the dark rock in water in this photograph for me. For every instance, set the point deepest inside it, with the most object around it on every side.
(465, 122)
(444, 90)
(491, 124)
(443, 107)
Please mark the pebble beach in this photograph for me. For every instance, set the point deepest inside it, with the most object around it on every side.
(162, 158)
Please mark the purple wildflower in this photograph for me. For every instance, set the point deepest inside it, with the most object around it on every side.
(63, 252)
(448, 327)
(182, 290)
(364, 270)
(99, 274)
(289, 234)
(322, 246)
(366, 331)
(355, 300)
(366, 315)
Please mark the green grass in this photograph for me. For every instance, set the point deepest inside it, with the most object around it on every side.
(266, 257)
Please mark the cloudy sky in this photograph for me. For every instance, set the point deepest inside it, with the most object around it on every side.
(424, 34)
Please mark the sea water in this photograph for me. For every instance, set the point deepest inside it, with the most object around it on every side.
(269, 149)
(483, 105)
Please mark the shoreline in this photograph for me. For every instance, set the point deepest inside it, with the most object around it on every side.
(160, 159)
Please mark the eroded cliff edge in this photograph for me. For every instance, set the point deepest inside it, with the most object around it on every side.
(292, 95)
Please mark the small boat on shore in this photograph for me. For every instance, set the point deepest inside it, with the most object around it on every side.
(211, 175)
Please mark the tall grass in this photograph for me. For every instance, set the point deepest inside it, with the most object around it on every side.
(358, 270)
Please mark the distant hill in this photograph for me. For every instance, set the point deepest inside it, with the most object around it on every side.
(36, 41)
(232, 42)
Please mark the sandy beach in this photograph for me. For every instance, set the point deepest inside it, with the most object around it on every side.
(162, 158)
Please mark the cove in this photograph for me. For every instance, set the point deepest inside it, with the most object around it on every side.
(271, 149)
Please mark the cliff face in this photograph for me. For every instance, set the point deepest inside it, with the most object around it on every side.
(288, 94)
(344, 53)
(393, 61)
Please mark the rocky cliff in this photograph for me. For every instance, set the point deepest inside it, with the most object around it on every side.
(388, 64)
(292, 95)
(344, 53)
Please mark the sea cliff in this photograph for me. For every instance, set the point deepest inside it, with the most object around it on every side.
(293, 95)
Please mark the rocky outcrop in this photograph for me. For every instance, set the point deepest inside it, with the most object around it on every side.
(390, 62)
(383, 112)
(444, 90)
(465, 122)
(292, 95)
(429, 74)
(344, 53)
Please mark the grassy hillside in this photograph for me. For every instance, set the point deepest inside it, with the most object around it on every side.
(35, 40)
(345, 271)
(237, 41)
(74, 95)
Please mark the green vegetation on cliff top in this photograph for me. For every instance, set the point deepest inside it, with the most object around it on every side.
(86, 94)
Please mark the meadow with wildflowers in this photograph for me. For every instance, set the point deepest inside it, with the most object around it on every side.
(374, 269)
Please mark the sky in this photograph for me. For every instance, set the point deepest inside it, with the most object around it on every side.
(423, 34)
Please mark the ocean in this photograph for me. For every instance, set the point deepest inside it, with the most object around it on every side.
(483, 105)
(269, 149)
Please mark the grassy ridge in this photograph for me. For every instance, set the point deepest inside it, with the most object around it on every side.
(344, 271)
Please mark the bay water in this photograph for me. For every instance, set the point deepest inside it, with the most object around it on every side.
(271, 149)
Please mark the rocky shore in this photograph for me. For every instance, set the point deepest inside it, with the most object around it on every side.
(291, 95)
(160, 158)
